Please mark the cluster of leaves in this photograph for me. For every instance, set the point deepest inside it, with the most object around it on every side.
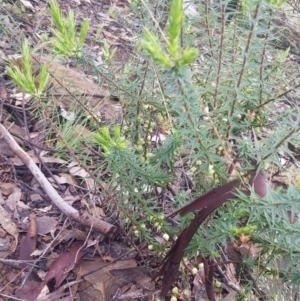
(24, 77)
(66, 41)
(175, 59)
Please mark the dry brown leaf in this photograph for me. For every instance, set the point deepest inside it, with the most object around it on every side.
(69, 178)
(111, 39)
(70, 199)
(81, 131)
(60, 180)
(14, 198)
(100, 285)
(259, 181)
(17, 161)
(35, 197)
(250, 250)
(76, 170)
(7, 188)
(20, 97)
(97, 211)
(28, 242)
(9, 226)
(27, 4)
(45, 224)
(4, 245)
(66, 80)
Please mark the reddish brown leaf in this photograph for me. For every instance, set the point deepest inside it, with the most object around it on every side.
(214, 197)
(30, 290)
(64, 264)
(172, 260)
(28, 242)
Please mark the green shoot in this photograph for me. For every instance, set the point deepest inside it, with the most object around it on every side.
(276, 3)
(66, 42)
(106, 141)
(108, 55)
(174, 58)
(152, 45)
(24, 77)
(176, 18)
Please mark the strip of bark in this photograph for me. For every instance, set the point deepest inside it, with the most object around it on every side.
(85, 219)
(209, 279)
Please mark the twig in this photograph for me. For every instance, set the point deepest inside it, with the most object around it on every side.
(31, 144)
(11, 280)
(279, 96)
(15, 264)
(281, 142)
(262, 65)
(85, 219)
(34, 150)
(225, 278)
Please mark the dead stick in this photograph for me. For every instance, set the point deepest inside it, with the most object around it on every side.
(85, 219)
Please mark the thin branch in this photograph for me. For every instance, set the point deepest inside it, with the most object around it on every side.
(223, 7)
(207, 28)
(138, 105)
(34, 149)
(155, 22)
(281, 142)
(261, 69)
(245, 59)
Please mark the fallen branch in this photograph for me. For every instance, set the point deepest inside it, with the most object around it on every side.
(85, 219)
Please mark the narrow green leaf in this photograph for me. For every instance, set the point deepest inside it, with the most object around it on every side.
(117, 133)
(83, 32)
(71, 28)
(43, 78)
(188, 56)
